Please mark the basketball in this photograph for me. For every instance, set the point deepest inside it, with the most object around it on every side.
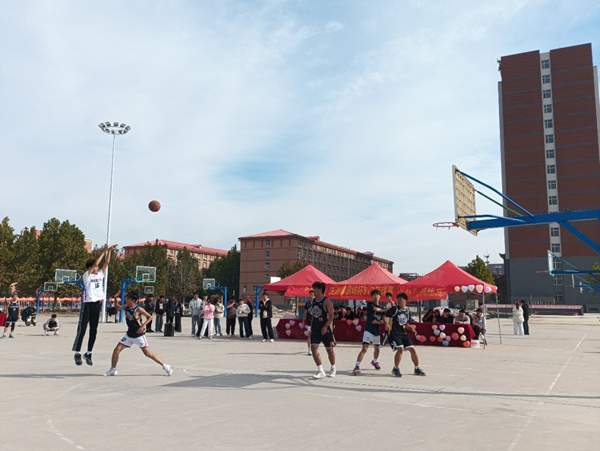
(154, 206)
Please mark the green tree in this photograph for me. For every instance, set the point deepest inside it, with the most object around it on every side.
(185, 277)
(592, 281)
(226, 271)
(479, 269)
(26, 263)
(290, 268)
(7, 241)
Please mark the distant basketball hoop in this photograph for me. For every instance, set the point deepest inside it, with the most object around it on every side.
(445, 225)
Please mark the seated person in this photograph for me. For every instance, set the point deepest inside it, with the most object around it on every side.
(462, 317)
(446, 317)
(436, 316)
(428, 318)
(479, 324)
(337, 314)
(52, 325)
(349, 314)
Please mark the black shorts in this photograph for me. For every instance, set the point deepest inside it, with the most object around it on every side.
(316, 338)
(398, 341)
(10, 321)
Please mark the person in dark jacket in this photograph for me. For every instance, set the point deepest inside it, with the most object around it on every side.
(265, 307)
(250, 332)
(178, 315)
(149, 307)
(231, 317)
(446, 317)
(525, 308)
(160, 311)
(170, 310)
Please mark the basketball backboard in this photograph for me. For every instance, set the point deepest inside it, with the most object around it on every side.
(65, 275)
(148, 290)
(207, 284)
(145, 274)
(464, 199)
(50, 286)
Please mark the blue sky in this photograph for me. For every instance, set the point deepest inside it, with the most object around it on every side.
(340, 119)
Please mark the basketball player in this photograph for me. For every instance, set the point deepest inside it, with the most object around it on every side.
(399, 317)
(12, 316)
(135, 334)
(321, 321)
(306, 318)
(371, 334)
(93, 281)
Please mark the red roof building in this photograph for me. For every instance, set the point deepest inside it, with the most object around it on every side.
(204, 255)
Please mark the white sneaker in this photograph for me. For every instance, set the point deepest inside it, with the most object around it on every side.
(332, 373)
(250, 337)
(111, 372)
(45, 333)
(272, 341)
(309, 352)
(56, 333)
(168, 369)
(264, 340)
(319, 375)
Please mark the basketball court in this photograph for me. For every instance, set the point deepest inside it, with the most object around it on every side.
(530, 393)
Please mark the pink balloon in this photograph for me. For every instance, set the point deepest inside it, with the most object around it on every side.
(467, 344)
(434, 327)
(461, 330)
(349, 322)
(359, 328)
(432, 338)
(292, 322)
(442, 327)
(423, 339)
(288, 332)
(455, 336)
(457, 289)
(418, 337)
(300, 325)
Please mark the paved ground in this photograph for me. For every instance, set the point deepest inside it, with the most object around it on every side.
(540, 392)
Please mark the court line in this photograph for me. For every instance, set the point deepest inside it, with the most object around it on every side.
(55, 431)
(583, 338)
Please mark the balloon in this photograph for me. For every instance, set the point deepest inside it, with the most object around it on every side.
(479, 288)
(359, 328)
(436, 332)
(461, 330)
(300, 325)
(471, 287)
(488, 289)
(455, 336)
(307, 333)
(349, 322)
(443, 335)
(442, 327)
(418, 337)
(287, 326)
(432, 338)
(448, 338)
(423, 339)
(467, 344)
(355, 322)
(292, 322)
(288, 332)
(463, 338)
(457, 289)
(434, 327)
(464, 288)
(440, 339)
(445, 343)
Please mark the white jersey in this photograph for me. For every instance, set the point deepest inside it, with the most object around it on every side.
(94, 286)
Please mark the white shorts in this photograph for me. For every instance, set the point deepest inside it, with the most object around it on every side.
(140, 341)
(368, 337)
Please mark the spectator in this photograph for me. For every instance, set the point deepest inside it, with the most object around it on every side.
(170, 307)
(242, 314)
(479, 325)
(265, 307)
(446, 317)
(231, 316)
(209, 323)
(149, 307)
(250, 316)
(52, 325)
(525, 308)
(178, 315)
(349, 314)
(195, 307)
(436, 316)
(337, 313)
(159, 309)
(219, 310)
(428, 318)
(518, 319)
(462, 317)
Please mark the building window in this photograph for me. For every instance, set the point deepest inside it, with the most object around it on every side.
(549, 153)
(549, 139)
(558, 280)
(548, 123)
(557, 264)
(298, 255)
(555, 247)
(559, 298)
(267, 266)
(547, 94)
(551, 184)
(545, 64)
(554, 231)
(267, 254)
(552, 200)
(204, 265)
(267, 243)
(548, 108)
(245, 289)
(545, 79)
(551, 169)
(267, 278)
(309, 257)
(299, 244)
(306, 246)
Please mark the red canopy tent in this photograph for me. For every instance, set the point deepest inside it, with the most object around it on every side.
(360, 286)
(299, 284)
(446, 278)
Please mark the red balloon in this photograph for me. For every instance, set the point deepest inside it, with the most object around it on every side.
(467, 344)
(455, 336)
(423, 339)
(440, 339)
(154, 206)
(349, 322)
(432, 338)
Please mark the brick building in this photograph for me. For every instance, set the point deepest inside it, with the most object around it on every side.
(204, 255)
(549, 126)
(262, 255)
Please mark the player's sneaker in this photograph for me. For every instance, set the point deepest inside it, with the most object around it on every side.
(272, 341)
(11, 336)
(3, 336)
(111, 372)
(332, 372)
(396, 372)
(319, 375)
(88, 358)
(309, 352)
(264, 340)
(45, 333)
(375, 364)
(168, 369)
(56, 333)
(419, 372)
(356, 370)
(78, 360)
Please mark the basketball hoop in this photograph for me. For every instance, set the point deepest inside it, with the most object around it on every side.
(445, 225)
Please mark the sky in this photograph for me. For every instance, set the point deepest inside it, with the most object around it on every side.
(340, 119)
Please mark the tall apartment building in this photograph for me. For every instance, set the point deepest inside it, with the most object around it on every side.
(204, 255)
(262, 255)
(549, 126)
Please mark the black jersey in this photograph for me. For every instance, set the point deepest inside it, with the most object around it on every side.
(133, 323)
(400, 318)
(307, 308)
(318, 314)
(372, 315)
(13, 311)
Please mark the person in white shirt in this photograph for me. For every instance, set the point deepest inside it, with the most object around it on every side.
(518, 319)
(195, 306)
(52, 325)
(93, 281)
(242, 314)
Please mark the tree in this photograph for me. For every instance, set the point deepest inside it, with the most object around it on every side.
(479, 269)
(226, 270)
(7, 241)
(185, 277)
(592, 281)
(288, 268)
(26, 263)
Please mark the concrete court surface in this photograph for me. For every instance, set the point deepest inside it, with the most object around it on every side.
(540, 392)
